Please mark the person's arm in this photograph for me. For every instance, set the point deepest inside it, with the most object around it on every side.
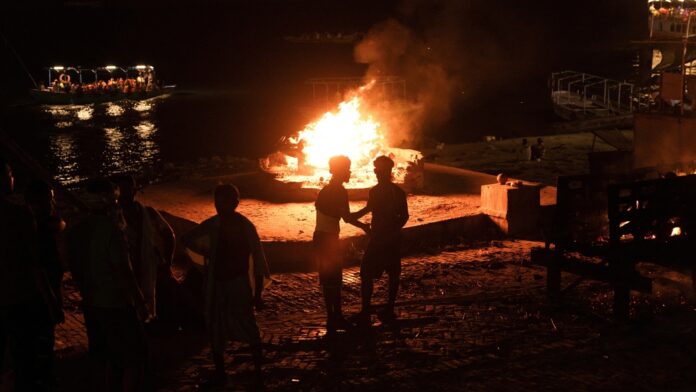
(403, 211)
(360, 213)
(189, 238)
(120, 260)
(353, 218)
(166, 233)
(30, 240)
(261, 270)
(63, 247)
(259, 281)
(55, 307)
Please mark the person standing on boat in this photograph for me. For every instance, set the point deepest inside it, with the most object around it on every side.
(237, 273)
(332, 206)
(387, 203)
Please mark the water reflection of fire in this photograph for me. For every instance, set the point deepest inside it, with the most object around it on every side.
(348, 131)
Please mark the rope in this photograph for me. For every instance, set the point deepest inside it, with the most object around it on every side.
(19, 59)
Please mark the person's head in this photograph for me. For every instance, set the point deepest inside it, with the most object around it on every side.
(524, 142)
(40, 198)
(383, 168)
(339, 167)
(226, 199)
(127, 188)
(7, 179)
(101, 195)
(540, 141)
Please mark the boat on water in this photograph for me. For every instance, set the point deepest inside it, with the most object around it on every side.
(78, 86)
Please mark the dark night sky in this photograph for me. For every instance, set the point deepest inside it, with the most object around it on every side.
(195, 43)
(235, 42)
(510, 45)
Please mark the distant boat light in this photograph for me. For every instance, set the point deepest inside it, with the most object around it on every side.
(111, 67)
(141, 67)
(58, 68)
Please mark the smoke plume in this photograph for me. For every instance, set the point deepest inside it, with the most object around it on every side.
(447, 52)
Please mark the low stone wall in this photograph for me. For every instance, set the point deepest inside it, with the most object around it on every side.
(297, 256)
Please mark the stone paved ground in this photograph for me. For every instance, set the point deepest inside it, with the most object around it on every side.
(470, 318)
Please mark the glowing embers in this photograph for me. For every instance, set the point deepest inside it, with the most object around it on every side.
(349, 130)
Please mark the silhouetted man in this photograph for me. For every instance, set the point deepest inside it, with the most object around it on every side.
(332, 206)
(28, 307)
(150, 241)
(40, 199)
(387, 203)
(113, 305)
(538, 150)
(237, 274)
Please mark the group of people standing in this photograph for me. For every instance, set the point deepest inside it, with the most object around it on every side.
(237, 271)
(532, 152)
(143, 82)
(118, 251)
(387, 203)
(30, 280)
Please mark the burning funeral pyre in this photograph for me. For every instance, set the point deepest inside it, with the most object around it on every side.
(349, 130)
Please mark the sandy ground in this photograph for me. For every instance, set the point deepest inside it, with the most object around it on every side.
(457, 171)
(449, 192)
(295, 221)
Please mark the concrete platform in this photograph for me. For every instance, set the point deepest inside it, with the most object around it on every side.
(286, 228)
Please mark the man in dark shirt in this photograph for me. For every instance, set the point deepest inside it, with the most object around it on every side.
(151, 244)
(387, 203)
(28, 308)
(237, 273)
(40, 199)
(113, 305)
(332, 206)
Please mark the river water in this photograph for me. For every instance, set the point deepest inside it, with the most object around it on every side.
(76, 142)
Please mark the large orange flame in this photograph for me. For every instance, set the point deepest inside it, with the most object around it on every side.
(344, 132)
(348, 131)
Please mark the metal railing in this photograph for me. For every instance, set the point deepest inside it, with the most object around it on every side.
(591, 92)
